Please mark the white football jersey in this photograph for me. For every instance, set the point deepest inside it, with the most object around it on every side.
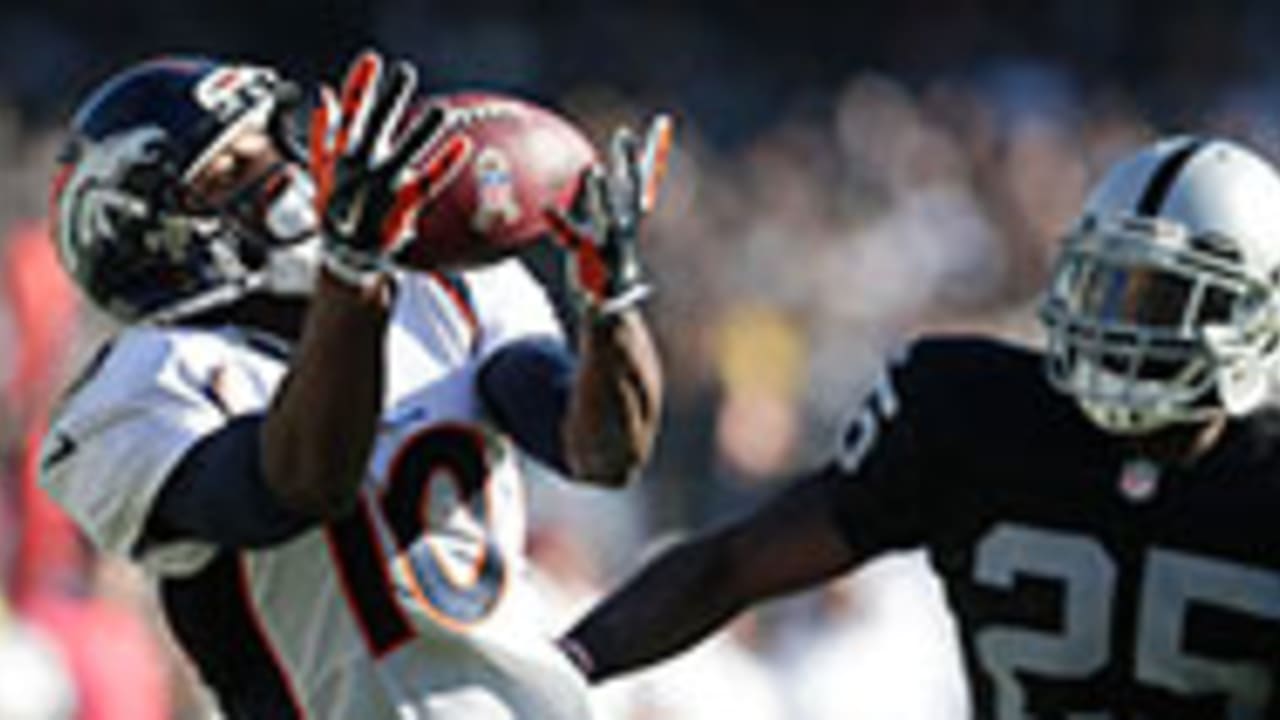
(414, 606)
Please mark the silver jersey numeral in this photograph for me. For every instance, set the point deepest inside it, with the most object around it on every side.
(1088, 578)
(1173, 582)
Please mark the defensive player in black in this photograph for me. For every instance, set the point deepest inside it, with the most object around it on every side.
(1105, 516)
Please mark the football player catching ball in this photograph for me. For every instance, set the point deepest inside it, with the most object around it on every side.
(311, 449)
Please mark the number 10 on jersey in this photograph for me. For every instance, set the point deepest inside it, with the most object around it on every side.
(446, 464)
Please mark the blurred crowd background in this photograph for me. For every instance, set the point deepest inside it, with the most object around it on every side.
(848, 175)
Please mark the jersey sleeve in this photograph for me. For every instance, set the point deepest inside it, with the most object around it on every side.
(511, 305)
(119, 436)
(888, 460)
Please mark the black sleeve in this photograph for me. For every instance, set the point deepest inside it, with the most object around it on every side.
(218, 494)
(885, 464)
(525, 387)
(924, 454)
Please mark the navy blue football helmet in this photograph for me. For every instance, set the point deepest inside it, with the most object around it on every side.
(127, 228)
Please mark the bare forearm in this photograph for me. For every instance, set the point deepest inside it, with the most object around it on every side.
(789, 544)
(319, 431)
(613, 414)
(679, 599)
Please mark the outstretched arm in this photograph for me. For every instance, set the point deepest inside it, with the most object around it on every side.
(613, 412)
(697, 586)
(318, 433)
(317, 436)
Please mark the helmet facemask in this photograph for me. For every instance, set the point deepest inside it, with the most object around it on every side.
(1149, 326)
(268, 226)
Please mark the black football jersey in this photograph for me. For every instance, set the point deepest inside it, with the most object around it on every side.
(1086, 582)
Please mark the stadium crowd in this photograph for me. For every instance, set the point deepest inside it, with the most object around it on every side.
(821, 208)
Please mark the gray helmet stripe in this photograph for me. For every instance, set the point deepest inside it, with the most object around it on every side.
(1161, 182)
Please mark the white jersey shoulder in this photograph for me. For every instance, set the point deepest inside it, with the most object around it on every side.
(149, 397)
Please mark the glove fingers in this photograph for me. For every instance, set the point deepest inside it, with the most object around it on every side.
(622, 150)
(388, 110)
(596, 197)
(322, 131)
(320, 140)
(653, 160)
(422, 180)
(608, 205)
(624, 175)
(415, 194)
(417, 139)
(442, 165)
(394, 223)
(589, 269)
(563, 230)
(358, 95)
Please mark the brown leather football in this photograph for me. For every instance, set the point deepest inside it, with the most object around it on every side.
(518, 158)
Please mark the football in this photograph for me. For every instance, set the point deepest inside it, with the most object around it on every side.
(518, 158)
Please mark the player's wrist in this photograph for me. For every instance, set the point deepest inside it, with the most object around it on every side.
(603, 313)
(627, 298)
(367, 286)
(354, 268)
(622, 286)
